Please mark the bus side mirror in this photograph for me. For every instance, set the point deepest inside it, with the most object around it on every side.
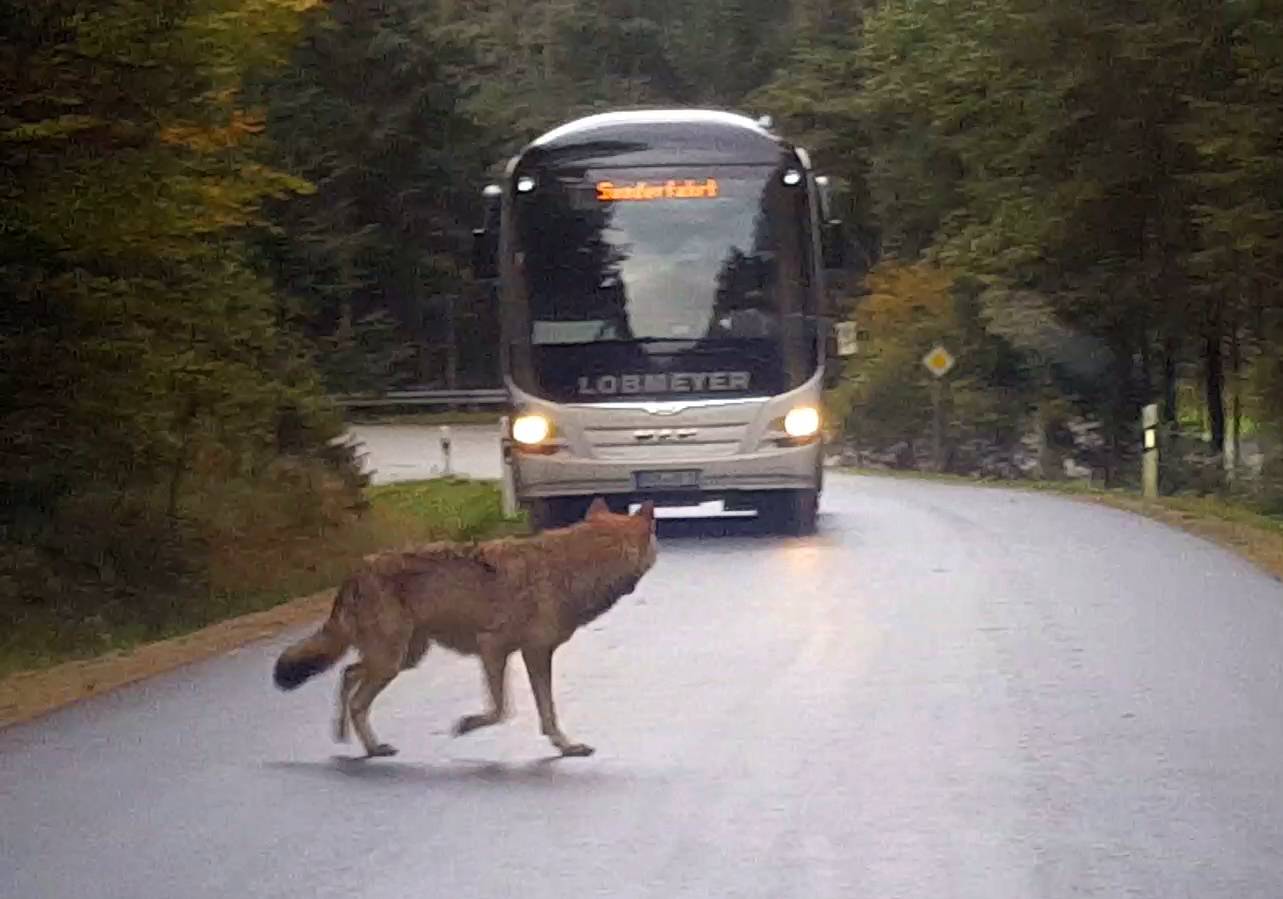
(841, 342)
(485, 240)
(833, 240)
(485, 254)
(833, 366)
(832, 231)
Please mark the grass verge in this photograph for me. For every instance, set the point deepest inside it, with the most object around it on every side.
(252, 596)
(1256, 537)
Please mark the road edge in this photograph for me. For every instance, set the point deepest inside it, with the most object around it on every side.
(1243, 540)
(1258, 545)
(28, 695)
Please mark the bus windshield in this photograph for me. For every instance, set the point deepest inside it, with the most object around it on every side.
(633, 277)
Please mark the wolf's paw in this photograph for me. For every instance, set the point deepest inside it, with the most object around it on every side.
(340, 730)
(577, 750)
(382, 751)
(469, 723)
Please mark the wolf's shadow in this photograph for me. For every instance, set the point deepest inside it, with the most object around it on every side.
(550, 771)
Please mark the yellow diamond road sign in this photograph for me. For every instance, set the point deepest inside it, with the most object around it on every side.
(939, 361)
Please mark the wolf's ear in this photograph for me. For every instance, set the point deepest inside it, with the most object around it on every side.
(647, 511)
(598, 508)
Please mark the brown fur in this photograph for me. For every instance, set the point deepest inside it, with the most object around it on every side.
(488, 599)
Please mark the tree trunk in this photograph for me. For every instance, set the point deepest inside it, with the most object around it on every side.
(180, 460)
(1214, 371)
(1171, 402)
(451, 347)
(1051, 466)
(1122, 409)
(1233, 444)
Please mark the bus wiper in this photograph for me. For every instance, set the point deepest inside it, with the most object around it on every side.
(697, 344)
(650, 340)
(719, 341)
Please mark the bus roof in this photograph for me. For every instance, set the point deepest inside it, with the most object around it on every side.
(656, 136)
(632, 119)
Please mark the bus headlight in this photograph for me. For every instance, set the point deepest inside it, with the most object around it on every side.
(531, 430)
(802, 421)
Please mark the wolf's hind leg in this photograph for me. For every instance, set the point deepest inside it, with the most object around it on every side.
(352, 674)
(373, 682)
(539, 667)
(347, 683)
(494, 659)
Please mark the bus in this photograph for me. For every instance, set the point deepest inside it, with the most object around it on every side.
(664, 324)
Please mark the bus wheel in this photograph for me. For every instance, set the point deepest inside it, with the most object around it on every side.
(793, 511)
(556, 512)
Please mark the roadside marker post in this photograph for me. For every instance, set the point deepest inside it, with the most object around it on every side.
(1149, 455)
(507, 479)
(848, 338)
(447, 463)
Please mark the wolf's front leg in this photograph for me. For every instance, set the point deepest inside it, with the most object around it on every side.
(494, 659)
(539, 667)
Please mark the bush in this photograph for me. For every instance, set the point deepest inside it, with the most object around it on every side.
(1269, 494)
(119, 562)
(113, 570)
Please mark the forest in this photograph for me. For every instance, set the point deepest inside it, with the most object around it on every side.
(217, 214)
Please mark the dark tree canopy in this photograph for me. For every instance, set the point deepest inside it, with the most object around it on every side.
(218, 212)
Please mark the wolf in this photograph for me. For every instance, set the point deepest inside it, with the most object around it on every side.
(488, 599)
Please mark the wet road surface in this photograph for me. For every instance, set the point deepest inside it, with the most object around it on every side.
(947, 692)
(410, 452)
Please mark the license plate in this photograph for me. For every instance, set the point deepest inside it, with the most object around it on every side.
(667, 480)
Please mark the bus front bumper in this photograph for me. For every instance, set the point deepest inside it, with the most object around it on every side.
(561, 474)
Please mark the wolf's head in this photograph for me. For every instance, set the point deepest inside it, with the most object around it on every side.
(637, 528)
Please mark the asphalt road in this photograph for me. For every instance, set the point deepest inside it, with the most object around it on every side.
(948, 692)
(408, 452)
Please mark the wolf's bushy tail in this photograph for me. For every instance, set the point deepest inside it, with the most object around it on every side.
(312, 655)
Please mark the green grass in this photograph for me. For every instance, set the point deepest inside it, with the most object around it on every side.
(461, 508)
(1222, 510)
(257, 572)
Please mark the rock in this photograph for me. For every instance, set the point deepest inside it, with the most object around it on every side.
(1076, 470)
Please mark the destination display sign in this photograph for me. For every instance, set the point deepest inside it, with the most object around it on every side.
(642, 191)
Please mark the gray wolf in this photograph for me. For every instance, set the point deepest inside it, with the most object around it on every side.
(488, 599)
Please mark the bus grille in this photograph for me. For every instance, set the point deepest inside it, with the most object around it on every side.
(655, 441)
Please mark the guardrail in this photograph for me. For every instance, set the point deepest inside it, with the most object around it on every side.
(415, 396)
